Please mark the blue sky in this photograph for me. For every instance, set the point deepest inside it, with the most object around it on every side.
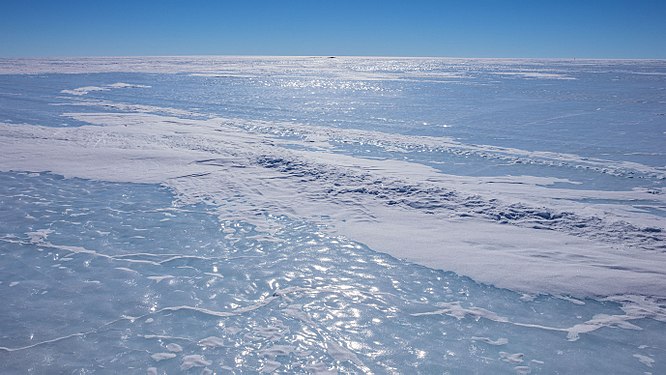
(501, 28)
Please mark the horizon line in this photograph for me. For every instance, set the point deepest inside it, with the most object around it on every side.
(332, 56)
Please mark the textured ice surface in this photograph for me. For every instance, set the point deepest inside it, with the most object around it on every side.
(114, 278)
(275, 214)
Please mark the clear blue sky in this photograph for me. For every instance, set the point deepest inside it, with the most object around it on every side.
(462, 28)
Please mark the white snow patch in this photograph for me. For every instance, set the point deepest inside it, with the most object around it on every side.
(512, 358)
(122, 85)
(212, 342)
(39, 236)
(455, 310)
(194, 360)
(269, 366)
(489, 341)
(274, 351)
(84, 90)
(162, 356)
(160, 278)
(647, 361)
(174, 348)
(634, 307)
(599, 321)
(88, 89)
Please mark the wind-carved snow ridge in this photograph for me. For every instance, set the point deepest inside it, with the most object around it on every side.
(248, 171)
(343, 183)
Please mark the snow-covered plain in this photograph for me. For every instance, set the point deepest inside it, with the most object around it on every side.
(363, 215)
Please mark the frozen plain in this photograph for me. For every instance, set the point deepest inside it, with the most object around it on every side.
(360, 215)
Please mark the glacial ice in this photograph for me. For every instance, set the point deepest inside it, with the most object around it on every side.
(309, 215)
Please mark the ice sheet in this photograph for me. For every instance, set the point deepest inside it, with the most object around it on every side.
(304, 214)
(408, 210)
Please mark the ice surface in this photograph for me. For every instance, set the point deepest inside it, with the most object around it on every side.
(514, 223)
(275, 215)
(243, 298)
